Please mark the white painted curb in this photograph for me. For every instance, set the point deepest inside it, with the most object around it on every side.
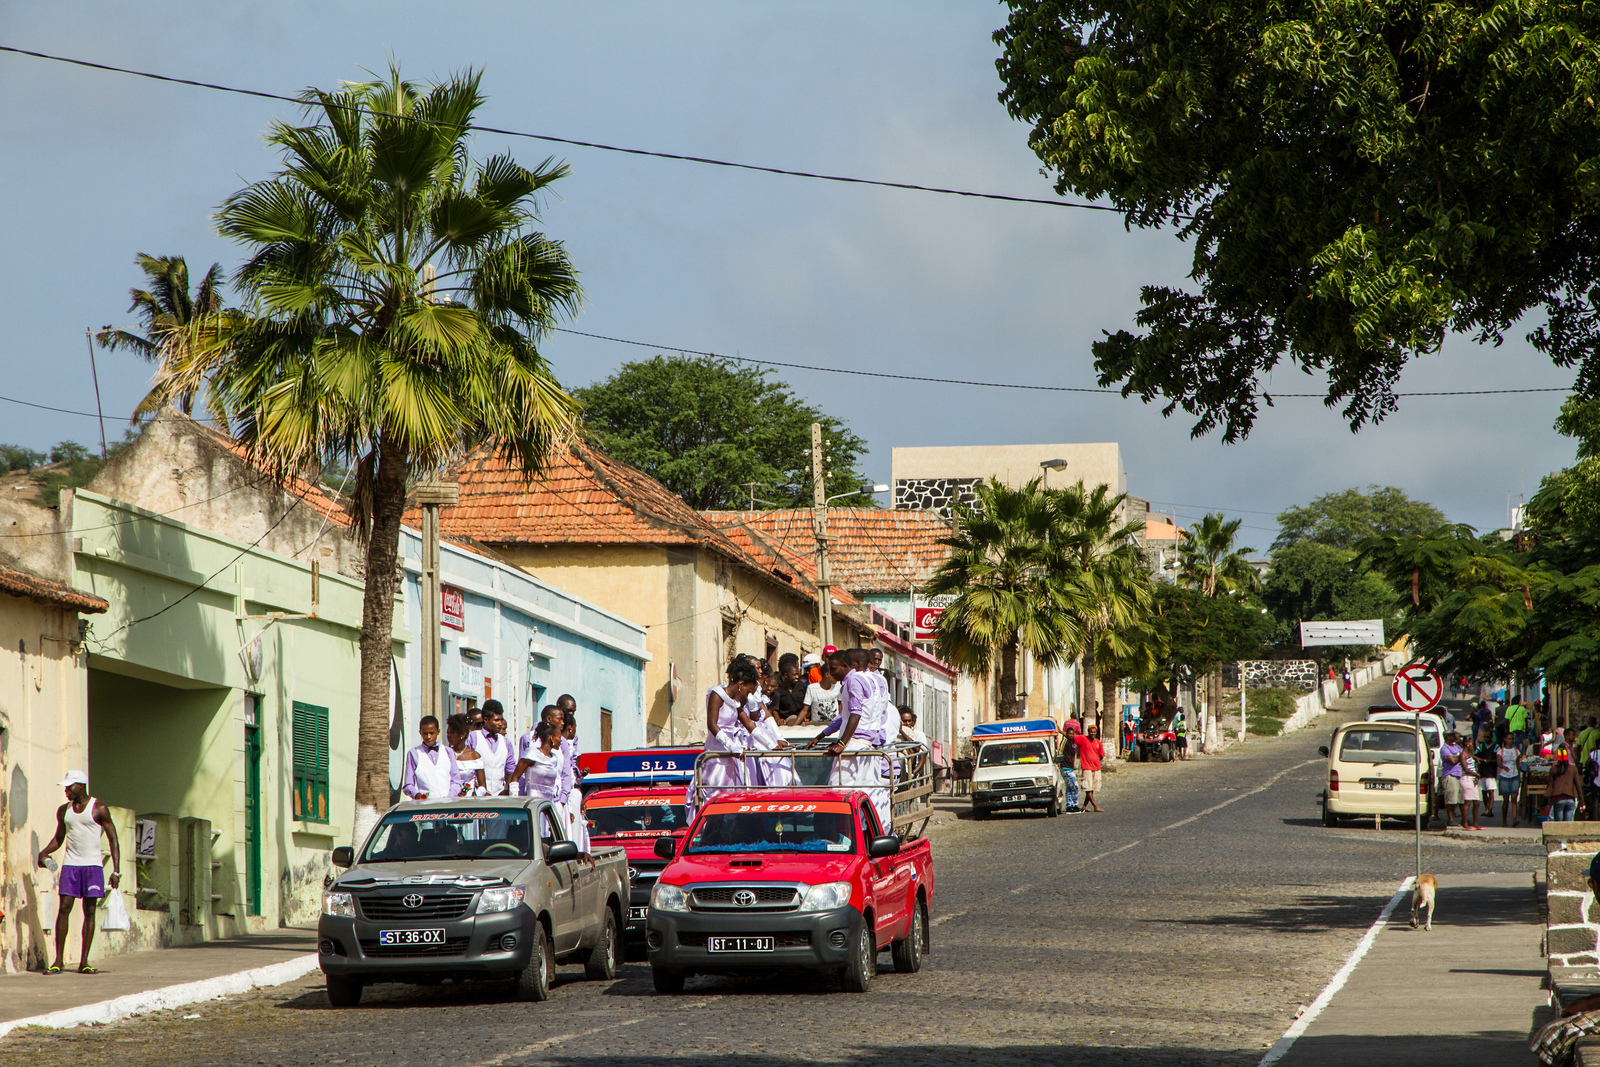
(172, 996)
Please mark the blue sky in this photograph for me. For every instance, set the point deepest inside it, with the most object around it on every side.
(99, 166)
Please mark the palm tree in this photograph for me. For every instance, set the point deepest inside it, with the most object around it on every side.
(1005, 573)
(398, 295)
(184, 333)
(1208, 561)
(1105, 567)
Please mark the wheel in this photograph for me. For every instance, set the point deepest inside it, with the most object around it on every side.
(1328, 817)
(1133, 753)
(979, 813)
(533, 983)
(1055, 807)
(606, 957)
(863, 962)
(343, 992)
(1166, 752)
(908, 953)
(667, 983)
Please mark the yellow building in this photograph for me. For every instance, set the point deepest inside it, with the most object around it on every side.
(612, 535)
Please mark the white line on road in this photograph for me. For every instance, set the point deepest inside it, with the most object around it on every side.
(1268, 784)
(1301, 1025)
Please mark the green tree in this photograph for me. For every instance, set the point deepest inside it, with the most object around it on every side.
(706, 428)
(1357, 181)
(1005, 573)
(1314, 582)
(184, 333)
(1209, 561)
(1202, 633)
(398, 292)
(1342, 519)
(18, 458)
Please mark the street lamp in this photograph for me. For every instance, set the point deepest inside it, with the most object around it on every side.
(1053, 464)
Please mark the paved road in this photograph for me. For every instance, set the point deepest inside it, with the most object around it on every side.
(1183, 926)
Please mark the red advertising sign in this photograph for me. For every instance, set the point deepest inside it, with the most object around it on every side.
(927, 624)
(452, 607)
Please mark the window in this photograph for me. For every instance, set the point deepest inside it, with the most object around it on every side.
(605, 729)
(310, 762)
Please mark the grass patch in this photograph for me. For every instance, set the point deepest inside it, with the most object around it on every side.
(1265, 726)
(1271, 704)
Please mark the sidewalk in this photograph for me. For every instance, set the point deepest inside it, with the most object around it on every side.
(1469, 993)
(208, 970)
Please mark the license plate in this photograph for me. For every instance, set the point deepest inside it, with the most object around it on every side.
(639, 914)
(1013, 798)
(410, 937)
(1378, 785)
(739, 944)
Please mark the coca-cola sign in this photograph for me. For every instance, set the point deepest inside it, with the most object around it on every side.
(452, 607)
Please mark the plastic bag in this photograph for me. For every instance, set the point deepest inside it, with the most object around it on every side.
(115, 911)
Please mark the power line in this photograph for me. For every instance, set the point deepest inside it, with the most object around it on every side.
(997, 385)
(705, 160)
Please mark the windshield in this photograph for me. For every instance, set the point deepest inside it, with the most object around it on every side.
(490, 834)
(770, 828)
(1378, 746)
(634, 817)
(1430, 729)
(995, 754)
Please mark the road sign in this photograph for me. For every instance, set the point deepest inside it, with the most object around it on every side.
(1354, 632)
(1417, 687)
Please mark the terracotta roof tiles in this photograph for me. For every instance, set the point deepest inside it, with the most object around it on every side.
(875, 550)
(22, 584)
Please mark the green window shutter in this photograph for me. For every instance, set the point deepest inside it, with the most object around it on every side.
(310, 759)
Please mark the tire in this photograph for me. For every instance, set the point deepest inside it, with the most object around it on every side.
(1054, 809)
(979, 813)
(605, 959)
(533, 982)
(667, 983)
(908, 953)
(1166, 752)
(1329, 819)
(863, 962)
(343, 992)
(1134, 753)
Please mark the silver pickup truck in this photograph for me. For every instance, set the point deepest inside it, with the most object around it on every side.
(467, 889)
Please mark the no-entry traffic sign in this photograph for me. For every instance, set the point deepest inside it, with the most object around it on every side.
(1417, 687)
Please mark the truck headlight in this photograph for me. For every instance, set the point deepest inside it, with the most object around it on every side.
(826, 897)
(492, 900)
(666, 897)
(1044, 781)
(342, 905)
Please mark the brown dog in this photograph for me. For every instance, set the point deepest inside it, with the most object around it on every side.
(1423, 896)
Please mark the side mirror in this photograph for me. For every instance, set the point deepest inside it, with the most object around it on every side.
(561, 852)
(666, 848)
(344, 856)
(1322, 750)
(887, 845)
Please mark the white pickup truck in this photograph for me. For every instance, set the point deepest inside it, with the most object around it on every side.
(1014, 768)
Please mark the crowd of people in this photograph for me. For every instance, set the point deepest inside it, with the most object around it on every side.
(1483, 755)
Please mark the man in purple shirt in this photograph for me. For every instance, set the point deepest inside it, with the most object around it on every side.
(1450, 779)
(428, 765)
(859, 725)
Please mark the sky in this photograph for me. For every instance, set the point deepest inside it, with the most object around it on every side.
(98, 167)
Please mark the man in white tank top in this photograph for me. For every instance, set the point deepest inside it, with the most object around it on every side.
(79, 823)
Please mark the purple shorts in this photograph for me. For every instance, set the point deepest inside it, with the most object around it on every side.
(85, 881)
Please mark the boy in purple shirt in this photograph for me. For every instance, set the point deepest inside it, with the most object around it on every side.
(428, 765)
(1450, 779)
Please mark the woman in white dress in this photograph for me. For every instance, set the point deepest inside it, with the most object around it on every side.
(725, 732)
(762, 726)
(577, 825)
(540, 768)
(466, 773)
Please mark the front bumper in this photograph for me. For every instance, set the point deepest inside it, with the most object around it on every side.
(806, 940)
(474, 948)
(1034, 796)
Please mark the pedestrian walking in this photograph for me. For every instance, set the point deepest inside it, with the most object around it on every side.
(1482, 718)
(428, 766)
(1516, 722)
(1180, 728)
(466, 765)
(1470, 796)
(1564, 788)
(1347, 680)
(1069, 765)
(1508, 775)
(79, 824)
(1450, 755)
(495, 747)
(1090, 754)
(1483, 762)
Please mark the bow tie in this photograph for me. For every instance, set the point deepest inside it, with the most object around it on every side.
(431, 748)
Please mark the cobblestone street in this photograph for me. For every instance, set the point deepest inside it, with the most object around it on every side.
(1185, 925)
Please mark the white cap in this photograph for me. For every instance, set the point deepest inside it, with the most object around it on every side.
(74, 778)
(810, 659)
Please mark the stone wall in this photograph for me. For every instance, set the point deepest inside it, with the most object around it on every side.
(1572, 922)
(1296, 675)
(934, 494)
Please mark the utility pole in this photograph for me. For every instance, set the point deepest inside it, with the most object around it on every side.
(819, 513)
(431, 498)
(88, 335)
(1241, 700)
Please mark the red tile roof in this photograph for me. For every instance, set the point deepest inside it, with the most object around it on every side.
(875, 550)
(779, 558)
(585, 497)
(22, 584)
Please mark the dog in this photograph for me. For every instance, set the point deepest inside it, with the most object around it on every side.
(1424, 896)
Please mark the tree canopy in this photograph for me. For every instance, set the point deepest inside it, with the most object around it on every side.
(1341, 520)
(1201, 633)
(706, 428)
(1358, 181)
(1314, 582)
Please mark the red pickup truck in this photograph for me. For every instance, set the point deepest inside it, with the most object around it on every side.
(803, 879)
(635, 819)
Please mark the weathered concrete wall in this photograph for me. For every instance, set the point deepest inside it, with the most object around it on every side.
(1572, 922)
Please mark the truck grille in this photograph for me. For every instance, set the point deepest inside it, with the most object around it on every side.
(767, 896)
(441, 906)
(1006, 787)
(455, 946)
(801, 939)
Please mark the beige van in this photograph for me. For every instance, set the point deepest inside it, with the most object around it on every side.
(1372, 771)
